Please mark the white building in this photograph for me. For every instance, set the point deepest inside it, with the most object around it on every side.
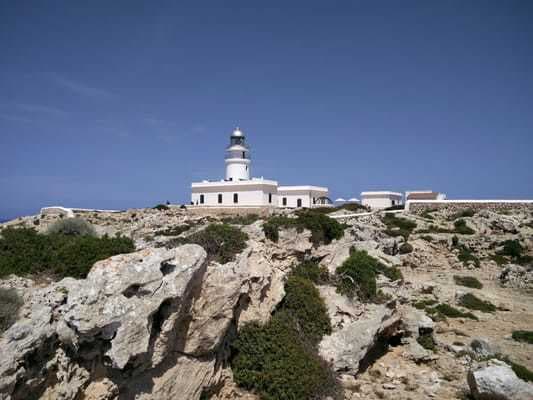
(381, 199)
(424, 195)
(239, 190)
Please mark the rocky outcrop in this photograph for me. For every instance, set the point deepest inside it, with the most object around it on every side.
(360, 332)
(497, 381)
(517, 277)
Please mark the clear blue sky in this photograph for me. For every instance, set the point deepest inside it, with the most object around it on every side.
(118, 104)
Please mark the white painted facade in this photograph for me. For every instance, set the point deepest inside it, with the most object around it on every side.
(239, 190)
(254, 192)
(301, 196)
(381, 199)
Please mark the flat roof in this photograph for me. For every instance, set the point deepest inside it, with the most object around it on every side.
(248, 182)
(303, 187)
(381, 193)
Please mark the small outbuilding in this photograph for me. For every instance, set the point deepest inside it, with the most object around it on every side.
(381, 199)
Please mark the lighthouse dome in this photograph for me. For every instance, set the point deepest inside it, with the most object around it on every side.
(237, 133)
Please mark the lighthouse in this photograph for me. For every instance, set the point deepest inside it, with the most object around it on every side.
(237, 158)
(240, 189)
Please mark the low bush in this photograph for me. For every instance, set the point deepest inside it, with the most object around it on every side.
(393, 273)
(468, 281)
(461, 228)
(427, 341)
(499, 259)
(473, 302)
(10, 303)
(463, 214)
(23, 251)
(466, 255)
(427, 214)
(173, 230)
(397, 226)
(312, 271)
(521, 371)
(427, 238)
(406, 248)
(161, 207)
(512, 248)
(523, 336)
(279, 360)
(452, 312)
(423, 304)
(72, 226)
(303, 304)
(222, 242)
(247, 219)
(323, 229)
(357, 276)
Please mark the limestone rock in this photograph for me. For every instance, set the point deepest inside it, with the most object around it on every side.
(517, 277)
(497, 381)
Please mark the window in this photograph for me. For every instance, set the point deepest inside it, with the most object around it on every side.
(270, 197)
(284, 201)
(393, 202)
(299, 203)
(201, 199)
(219, 198)
(235, 198)
(243, 154)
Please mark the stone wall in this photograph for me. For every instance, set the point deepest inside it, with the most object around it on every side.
(453, 206)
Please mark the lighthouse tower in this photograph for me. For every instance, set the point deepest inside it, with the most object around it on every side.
(237, 157)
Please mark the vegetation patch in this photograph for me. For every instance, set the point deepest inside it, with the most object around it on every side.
(514, 250)
(406, 248)
(357, 275)
(312, 271)
(427, 238)
(10, 303)
(161, 207)
(427, 341)
(475, 303)
(280, 360)
(428, 214)
(521, 371)
(72, 227)
(423, 304)
(499, 259)
(23, 251)
(247, 219)
(323, 229)
(174, 230)
(463, 214)
(461, 228)
(448, 311)
(468, 281)
(397, 226)
(222, 242)
(466, 255)
(523, 336)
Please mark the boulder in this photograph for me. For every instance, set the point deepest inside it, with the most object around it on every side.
(497, 381)
(517, 277)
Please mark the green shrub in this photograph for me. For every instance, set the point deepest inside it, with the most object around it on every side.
(24, 251)
(452, 312)
(466, 255)
(174, 230)
(427, 214)
(161, 207)
(312, 271)
(463, 214)
(523, 336)
(357, 275)
(461, 228)
(222, 242)
(72, 226)
(499, 259)
(397, 226)
(10, 303)
(427, 341)
(406, 248)
(323, 229)
(427, 238)
(514, 250)
(302, 303)
(279, 360)
(271, 231)
(423, 304)
(393, 273)
(475, 303)
(455, 241)
(468, 281)
(247, 219)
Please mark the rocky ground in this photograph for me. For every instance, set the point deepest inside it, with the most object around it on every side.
(157, 323)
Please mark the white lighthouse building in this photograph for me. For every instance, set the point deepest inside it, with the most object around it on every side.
(238, 189)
